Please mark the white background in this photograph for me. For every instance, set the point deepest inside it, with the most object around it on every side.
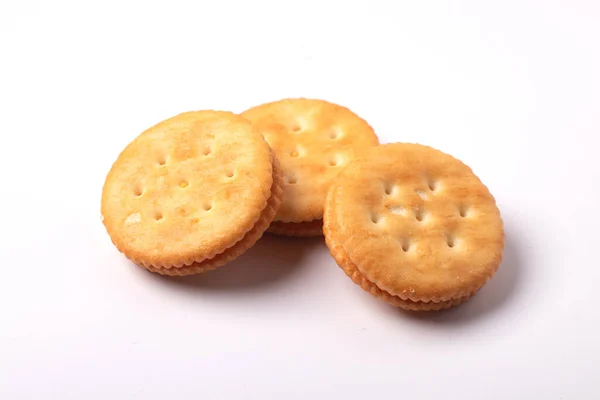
(510, 87)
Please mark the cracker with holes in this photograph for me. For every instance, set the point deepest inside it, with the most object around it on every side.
(314, 140)
(414, 227)
(191, 193)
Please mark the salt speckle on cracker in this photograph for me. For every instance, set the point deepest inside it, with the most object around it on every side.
(133, 218)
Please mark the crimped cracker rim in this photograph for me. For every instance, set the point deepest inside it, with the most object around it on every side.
(297, 229)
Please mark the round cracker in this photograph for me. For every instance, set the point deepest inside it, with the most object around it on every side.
(187, 189)
(414, 226)
(313, 140)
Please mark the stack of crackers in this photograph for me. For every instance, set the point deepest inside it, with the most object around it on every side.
(409, 224)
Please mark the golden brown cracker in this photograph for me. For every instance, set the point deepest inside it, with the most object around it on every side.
(414, 226)
(314, 140)
(187, 189)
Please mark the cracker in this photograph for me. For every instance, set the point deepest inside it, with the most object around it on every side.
(299, 229)
(314, 140)
(414, 227)
(187, 189)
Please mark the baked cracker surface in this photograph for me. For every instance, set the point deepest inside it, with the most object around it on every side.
(314, 140)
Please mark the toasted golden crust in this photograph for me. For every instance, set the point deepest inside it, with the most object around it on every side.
(298, 229)
(416, 223)
(247, 242)
(313, 140)
(187, 189)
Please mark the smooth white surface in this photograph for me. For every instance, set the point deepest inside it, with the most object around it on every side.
(512, 88)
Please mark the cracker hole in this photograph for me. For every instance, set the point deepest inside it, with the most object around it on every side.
(206, 150)
(389, 188)
(462, 210)
(291, 180)
(230, 174)
(450, 240)
(432, 185)
(137, 191)
(376, 218)
(158, 215)
(296, 128)
(405, 245)
(207, 206)
(183, 184)
(294, 153)
(420, 215)
(335, 161)
(334, 133)
(162, 160)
